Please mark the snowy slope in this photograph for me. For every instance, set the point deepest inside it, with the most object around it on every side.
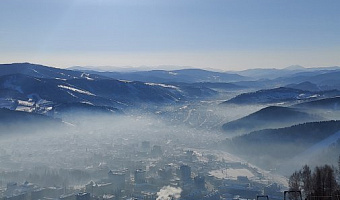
(316, 149)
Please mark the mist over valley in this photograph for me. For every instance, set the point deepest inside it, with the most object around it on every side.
(70, 129)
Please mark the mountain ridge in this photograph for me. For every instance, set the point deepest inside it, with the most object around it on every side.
(269, 117)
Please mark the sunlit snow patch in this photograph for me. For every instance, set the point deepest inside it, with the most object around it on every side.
(125, 81)
(162, 85)
(231, 173)
(87, 76)
(76, 90)
(173, 73)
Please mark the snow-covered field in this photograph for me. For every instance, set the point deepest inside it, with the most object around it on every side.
(230, 173)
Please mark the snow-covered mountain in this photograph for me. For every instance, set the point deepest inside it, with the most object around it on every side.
(38, 88)
(41, 71)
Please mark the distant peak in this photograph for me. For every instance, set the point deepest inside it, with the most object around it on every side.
(294, 67)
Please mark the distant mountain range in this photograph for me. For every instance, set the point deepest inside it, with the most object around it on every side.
(323, 78)
(47, 90)
(280, 95)
(163, 76)
(332, 103)
(306, 86)
(37, 88)
(294, 70)
(41, 71)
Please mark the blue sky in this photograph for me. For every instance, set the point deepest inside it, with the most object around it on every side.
(221, 34)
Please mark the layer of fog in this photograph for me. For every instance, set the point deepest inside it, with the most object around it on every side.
(91, 141)
(104, 135)
(118, 134)
(207, 115)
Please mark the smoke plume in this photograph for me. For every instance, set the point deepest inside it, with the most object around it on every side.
(169, 193)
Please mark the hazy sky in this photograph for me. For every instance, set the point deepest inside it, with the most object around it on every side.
(223, 34)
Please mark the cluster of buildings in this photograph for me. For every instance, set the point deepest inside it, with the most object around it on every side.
(30, 191)
(153, 173)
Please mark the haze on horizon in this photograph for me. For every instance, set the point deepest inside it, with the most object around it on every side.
(219, 34)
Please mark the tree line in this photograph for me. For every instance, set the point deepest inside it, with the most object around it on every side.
(319, 184)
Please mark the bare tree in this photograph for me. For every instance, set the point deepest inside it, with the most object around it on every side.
(319, 184)
(306, 178)
(324, 181)
(295, 181)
